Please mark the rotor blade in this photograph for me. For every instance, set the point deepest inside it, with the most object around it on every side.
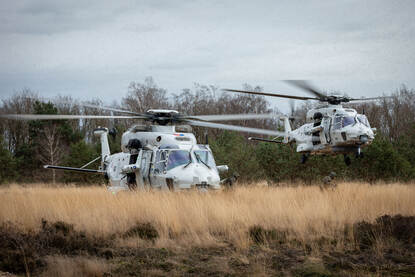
(273, 94)
(370, 98)
(307, 87)
(234, 128)
(60, 116)
(231, 117)
(86, 105)
(108, 109)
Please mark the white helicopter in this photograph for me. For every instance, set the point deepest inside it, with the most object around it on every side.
(331, 128)
(157, 155)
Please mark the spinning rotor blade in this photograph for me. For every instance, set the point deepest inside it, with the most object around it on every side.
(273, 94)
(60, 116)
(234, 128)
(369, 98)
(231, 117)
(108, 109)
(86, 105)
(304, 85)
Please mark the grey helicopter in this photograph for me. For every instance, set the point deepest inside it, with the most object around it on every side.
(331, 129)
(162, 154)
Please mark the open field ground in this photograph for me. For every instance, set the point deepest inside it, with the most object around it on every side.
(291, 231)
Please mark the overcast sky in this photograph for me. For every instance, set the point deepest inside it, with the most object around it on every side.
(96, 48)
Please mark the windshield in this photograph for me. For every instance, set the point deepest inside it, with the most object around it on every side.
(177, 158)
(363, 119)
(203, 156)
(343, 121)
(348, 120)
(168, 159)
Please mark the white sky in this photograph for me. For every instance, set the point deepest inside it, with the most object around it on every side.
(94, 49)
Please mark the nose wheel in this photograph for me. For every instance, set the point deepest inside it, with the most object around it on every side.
(359, 154)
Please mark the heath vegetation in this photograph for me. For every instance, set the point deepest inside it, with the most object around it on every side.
(356, 228)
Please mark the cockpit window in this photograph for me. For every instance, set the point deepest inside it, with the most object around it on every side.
(204, 156)
(168, 159)
(348, 120)
(177, 158)
(363, 119)
(343, 121)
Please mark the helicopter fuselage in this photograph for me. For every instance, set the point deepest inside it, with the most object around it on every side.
(333, 130)
(161, 158)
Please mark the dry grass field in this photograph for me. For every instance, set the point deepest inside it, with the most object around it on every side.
(198, 217)
(227, 219)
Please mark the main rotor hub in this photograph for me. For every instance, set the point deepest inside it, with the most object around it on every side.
(336, 100)
(163, 117)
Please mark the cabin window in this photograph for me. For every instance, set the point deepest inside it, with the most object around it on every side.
(161, 160)
(337, 123)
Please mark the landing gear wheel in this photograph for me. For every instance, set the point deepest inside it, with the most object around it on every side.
(347, 160)
(304, 158)
(359, 154)
(229, 182)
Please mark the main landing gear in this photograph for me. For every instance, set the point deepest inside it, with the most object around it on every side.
(359, 155)
(304, 158)
(347, 160)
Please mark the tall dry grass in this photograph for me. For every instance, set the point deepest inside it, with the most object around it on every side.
(198, 218)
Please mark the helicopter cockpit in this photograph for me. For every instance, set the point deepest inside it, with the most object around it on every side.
(187, 165)
(341, 121)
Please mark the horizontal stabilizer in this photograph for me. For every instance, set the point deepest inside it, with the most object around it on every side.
(266, 140)
(73, 169)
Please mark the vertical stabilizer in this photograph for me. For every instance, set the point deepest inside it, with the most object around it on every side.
(287, 129)
(105, 148)
(287, 125)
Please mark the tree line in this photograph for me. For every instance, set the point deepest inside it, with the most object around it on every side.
(25, 146)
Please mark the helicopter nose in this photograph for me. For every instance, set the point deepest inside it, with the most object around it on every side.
(364, 139)
(205, 177)
(196, 176)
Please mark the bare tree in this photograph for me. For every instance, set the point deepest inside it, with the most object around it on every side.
(16, 132)
(208, 99)
(50, 150)
(144, 96)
